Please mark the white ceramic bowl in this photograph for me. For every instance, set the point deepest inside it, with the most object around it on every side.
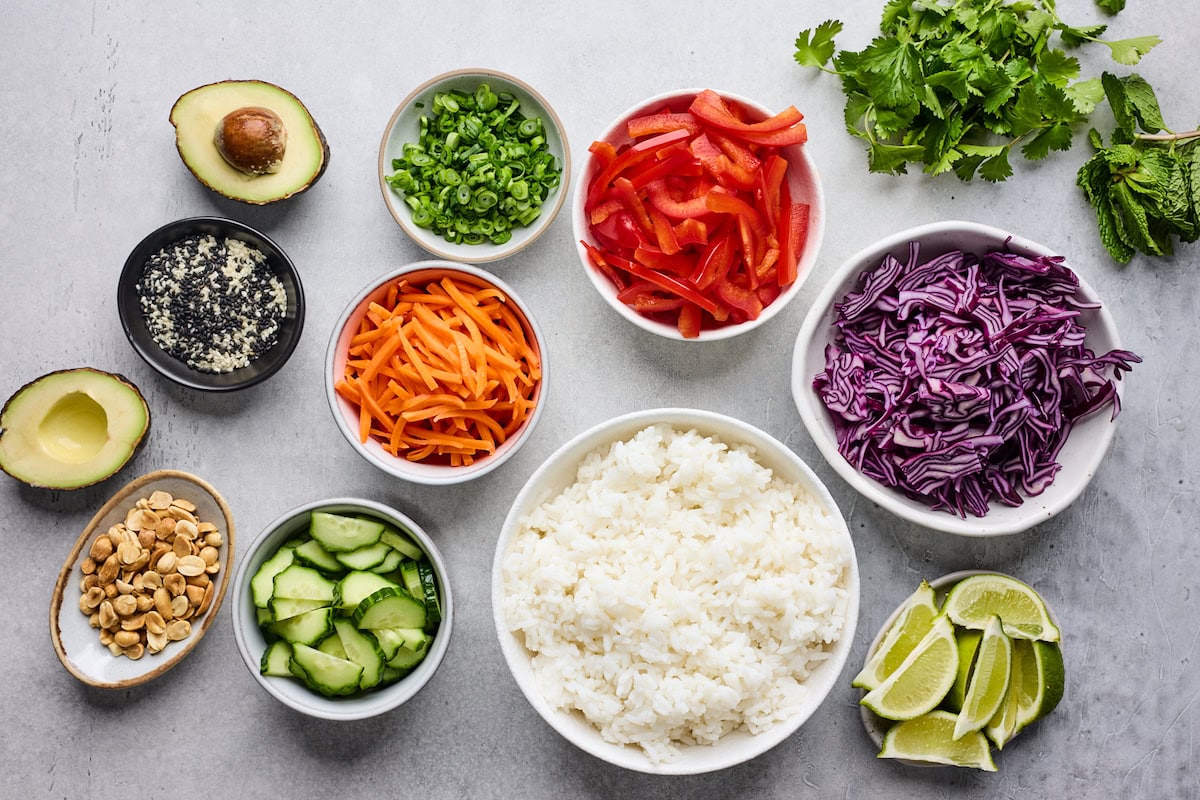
(403, 129)
(555, 475)
(876, 726)
(1080, 456)
(803, 182)
(345, 413)
(77, 643)
(293, 693)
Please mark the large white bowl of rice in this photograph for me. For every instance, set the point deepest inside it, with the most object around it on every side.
(675, 591)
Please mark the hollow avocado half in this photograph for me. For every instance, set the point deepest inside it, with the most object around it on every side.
(199, 117)
(72, 428)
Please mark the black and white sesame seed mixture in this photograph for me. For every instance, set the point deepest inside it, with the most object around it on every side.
(213, 304)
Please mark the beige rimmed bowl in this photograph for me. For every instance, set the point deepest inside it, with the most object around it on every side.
(403, 128)
(77, 643)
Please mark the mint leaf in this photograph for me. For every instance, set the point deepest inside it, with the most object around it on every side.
(1132, 222)
(1130, 51)
(1140, 96)
(1095, 178)
(815, 47)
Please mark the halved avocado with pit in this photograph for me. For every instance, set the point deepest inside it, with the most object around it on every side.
(250, 141)
(72, 428)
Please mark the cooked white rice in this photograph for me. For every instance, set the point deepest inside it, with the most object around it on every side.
(677, 591)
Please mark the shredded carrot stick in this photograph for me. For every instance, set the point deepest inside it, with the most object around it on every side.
(444, 371)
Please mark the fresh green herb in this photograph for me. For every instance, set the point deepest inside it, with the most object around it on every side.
(957, 85)
(478, 169)
(1145, 186)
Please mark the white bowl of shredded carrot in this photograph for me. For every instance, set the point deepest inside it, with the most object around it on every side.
(435, 372)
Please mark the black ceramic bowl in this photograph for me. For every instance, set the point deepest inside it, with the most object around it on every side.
(134, 323)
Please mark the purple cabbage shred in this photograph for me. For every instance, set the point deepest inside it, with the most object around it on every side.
(958, 380)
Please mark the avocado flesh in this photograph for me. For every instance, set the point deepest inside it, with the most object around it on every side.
(72, 428)
(196, 116)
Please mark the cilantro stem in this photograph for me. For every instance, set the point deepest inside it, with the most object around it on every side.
(1167, 137)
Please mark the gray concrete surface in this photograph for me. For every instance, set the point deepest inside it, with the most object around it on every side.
(89, 167)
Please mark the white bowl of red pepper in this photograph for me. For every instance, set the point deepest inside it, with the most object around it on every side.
(211, 303)
(699, 214)
(962, 377)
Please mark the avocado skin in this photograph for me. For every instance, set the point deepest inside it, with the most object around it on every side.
(135, 447)
(315, 131)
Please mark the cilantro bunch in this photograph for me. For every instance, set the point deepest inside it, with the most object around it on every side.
(957, 84)
(1145, 186)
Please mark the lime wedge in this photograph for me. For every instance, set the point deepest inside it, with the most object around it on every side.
(988, 686)
(968, 643)
(912, 623)
(1041, 679)
(974, 600)
(922, 679)
(931, 738)
(1002, 727)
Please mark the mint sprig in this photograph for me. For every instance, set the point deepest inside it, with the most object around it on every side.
(1145, 185)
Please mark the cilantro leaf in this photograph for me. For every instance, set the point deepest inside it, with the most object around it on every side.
(890, 69)
(1130, 51)
(1057, 67)
(1111, 6)
(892, 158)
(1085, 95)
(1075, 37)
(1055, 137)
(996, 168)
(815, 47)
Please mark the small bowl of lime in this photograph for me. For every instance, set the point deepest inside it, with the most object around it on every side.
(961, 667)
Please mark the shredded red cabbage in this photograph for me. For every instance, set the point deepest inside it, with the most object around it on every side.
(957, 380)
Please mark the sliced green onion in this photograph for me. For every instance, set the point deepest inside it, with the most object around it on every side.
(479, 168)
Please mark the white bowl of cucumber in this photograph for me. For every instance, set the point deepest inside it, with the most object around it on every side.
(342, 608)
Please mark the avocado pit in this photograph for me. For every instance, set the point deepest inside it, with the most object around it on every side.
(252, 140)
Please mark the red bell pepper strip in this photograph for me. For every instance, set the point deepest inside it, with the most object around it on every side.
(691, 231)
(711, 108)
(689, 320)
(663, 232)
(738, 152)
(679, 163)
(678, 263)
(601, 263)
(715, 262)
(742, 301)
(634, 155)
(604, 211)
(661, 199)
(628, 196)
(719, 166)
(793, 232)
(770, 184)
(797, 134)
(662, 122)
(604, 153)
(663, 281)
